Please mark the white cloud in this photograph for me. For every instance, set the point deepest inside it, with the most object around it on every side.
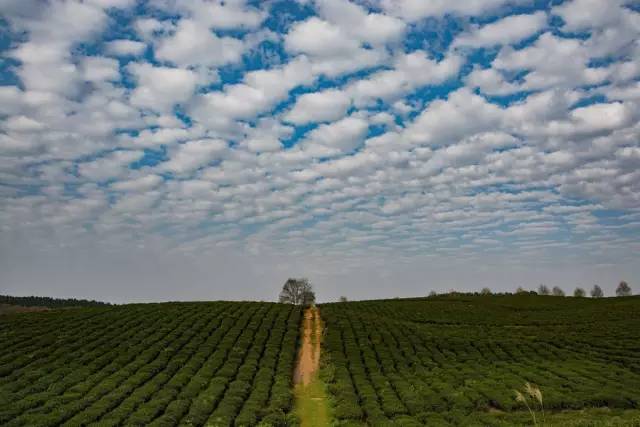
(161, 136)
(120, 4)
(223, 15)
(125, 47)
(582, 14)
(143, 183)
(149, 28)
(332, 49)
(490, 81)
(259, 92)
(508, 30)
(259, 144)
(97, 69)
(414, 10)
(335, 138)
(159, 88)
(135, 203)
(374, 28)
(110, 166)
(266, 136)
(599, 117)
(53, 30)
(410, 71)
(317, 107)
(355, 144)
(10, 99)
(191, 155)
(194, 44)
(553, 62)
(22, 124)
(444, 122)
(15, 145)
(319, 38)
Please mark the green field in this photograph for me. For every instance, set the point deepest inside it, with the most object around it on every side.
(456, 360)
(168, 364)
(444, 361)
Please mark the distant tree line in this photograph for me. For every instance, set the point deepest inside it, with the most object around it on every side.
(623, 290)
(34, 301)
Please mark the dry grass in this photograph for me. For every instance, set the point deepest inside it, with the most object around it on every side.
(531, 397)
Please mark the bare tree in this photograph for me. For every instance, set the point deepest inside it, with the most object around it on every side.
(579, 292)
(596, 292)
(343, 299)
(485, 291)
(432, 294)
(623, 289)
(557, 292)
(520, 290)
(298, 292)
(543, 290)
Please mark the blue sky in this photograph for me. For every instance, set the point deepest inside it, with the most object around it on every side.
(202, 149)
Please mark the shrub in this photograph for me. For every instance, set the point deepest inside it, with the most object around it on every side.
(623, 289)
(596, 292)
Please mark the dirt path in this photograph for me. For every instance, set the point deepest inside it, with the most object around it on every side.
(309, 358)
(311, 401)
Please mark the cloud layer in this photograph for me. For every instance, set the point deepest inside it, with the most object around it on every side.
(381, 148)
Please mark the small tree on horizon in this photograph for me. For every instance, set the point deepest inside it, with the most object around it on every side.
(543, 290)
(520, 290)
(485, 291)
(297, 292)
(579, 293)
(623, 289)
(432, 294)
(343, 299)
(557, 292)
(596, 292)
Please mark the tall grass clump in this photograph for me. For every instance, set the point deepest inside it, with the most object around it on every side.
(531, 393)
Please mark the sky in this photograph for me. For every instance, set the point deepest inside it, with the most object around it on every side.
(203, 150)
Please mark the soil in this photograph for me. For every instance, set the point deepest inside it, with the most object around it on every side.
(309, 360)
(8, 308)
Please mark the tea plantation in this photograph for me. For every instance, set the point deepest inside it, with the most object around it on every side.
(219, 364)
(450, 360)
(457, 360)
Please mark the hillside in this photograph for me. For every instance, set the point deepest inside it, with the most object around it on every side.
(451, 360)
(457, 360)
(149, 364)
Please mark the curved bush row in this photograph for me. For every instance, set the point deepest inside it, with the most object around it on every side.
(221, 363)
(31, 392)
(444, 361)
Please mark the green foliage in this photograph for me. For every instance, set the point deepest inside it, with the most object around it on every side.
(623, 289)
(33, 301)
(596, 292)
(297, 292)
(543, 290)
(579, 293)
(220, 363)
(457, 359)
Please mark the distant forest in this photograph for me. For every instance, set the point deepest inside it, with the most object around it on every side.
(34, 301)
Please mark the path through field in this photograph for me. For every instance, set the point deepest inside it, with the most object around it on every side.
(311, 400)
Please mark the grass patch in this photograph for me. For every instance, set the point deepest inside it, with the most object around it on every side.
(312, 406)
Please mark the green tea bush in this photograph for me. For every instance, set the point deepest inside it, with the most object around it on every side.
(149, 364)
(451, 359)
